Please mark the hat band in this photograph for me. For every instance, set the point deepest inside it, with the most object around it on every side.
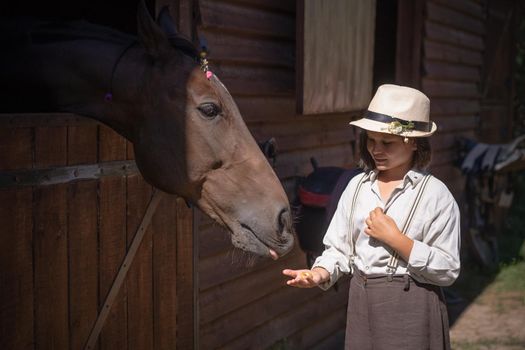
(383, 118)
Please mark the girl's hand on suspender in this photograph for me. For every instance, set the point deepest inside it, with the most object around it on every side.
(306, 278)
(383, 228)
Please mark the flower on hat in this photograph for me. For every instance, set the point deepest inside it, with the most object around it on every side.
(397, 128)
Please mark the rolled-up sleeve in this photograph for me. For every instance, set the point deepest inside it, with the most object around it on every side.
(435, 259)
(337, 254)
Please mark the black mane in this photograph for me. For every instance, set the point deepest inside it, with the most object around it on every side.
(24, 31)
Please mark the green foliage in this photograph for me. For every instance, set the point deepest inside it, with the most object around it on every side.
(280, 345)
(511, 277)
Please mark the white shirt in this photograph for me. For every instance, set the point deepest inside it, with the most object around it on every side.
(435, 230)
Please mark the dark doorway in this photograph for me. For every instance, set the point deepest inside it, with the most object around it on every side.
(117, 14)
(385, 43)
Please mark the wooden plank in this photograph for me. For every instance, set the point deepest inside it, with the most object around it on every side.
(298, 163)
(16, 246)
(334, 341)
(164, 227)
(233, 18)
(214, 240)
(82, 144)
(452, 17)
(451, 106)
(66, 174)
(83, 258)
(82, 221)
(316, 139)
(447, 140)
(15, 148)
(300, 45)
(319, 332)
(255, 81)
(449, 174)
(31, 120)
(444, 156)
(253, 315)
(469, 8)
(495, 123)
(236, 49)
(441, 33)
(140, 278)
(226, 266)
(453, 54)
(454, 123)
(453, 72)
(187, 301)
(290, 322)
(112, 240)
(450, 89)
(225, 298)
(408, 46)
(112, 249)
(263, 109)
(50, 245)
(287, 6)
(16, 272)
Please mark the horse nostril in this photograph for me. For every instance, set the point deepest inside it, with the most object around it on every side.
(284, 220)
(217, 165)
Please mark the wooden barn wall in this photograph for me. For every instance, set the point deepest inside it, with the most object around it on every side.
(61, 245)
(243, 301)
(252, 51)
(497, 88)
(452, 62)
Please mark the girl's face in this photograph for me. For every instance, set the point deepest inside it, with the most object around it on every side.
(389, 151)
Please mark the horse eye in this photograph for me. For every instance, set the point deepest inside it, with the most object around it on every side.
(209, 110)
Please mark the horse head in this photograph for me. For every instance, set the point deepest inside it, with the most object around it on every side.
(188, 135)
(190, 139)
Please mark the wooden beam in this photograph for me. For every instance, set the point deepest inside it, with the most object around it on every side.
(66, 174)
(409, 37)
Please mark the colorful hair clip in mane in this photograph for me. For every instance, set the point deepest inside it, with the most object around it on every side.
(204, 63)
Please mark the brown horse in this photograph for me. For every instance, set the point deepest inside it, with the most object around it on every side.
(188, 134)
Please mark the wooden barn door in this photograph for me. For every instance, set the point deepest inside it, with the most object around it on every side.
(71, 200)
(61, 245)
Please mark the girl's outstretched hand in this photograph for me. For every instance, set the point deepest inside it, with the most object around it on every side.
(306, 278)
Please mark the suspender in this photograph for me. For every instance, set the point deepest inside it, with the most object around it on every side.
(352, 210)
(394, 257)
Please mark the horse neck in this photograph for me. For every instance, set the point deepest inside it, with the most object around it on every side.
(75, 76)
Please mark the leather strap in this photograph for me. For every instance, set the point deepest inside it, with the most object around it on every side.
(394, 257)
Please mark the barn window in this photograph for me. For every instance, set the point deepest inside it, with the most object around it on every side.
(335, 43)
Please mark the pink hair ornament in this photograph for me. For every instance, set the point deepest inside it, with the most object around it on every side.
(205, 64)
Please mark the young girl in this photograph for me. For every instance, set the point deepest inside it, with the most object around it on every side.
(396, 230)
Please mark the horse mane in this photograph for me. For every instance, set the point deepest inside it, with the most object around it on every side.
(30, 31)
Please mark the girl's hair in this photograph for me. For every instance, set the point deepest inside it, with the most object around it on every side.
(421, 159)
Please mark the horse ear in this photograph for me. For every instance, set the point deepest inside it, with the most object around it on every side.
(165, 22)
(175, 38)
(150, 34)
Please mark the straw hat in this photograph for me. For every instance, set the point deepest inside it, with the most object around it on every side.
(398, 110)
